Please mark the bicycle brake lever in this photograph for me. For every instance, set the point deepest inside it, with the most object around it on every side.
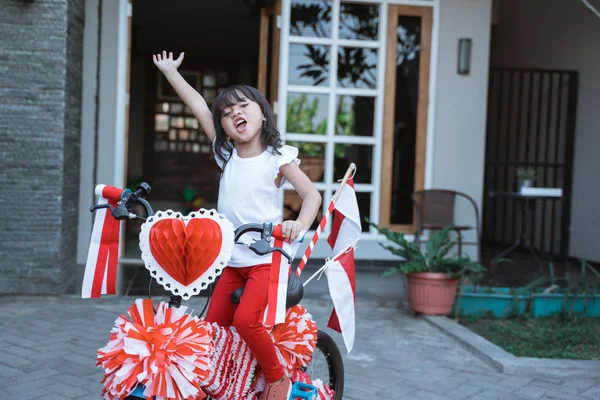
(263, 247)
(98, 206)
(283, 252)
(119, 212)
(260, 247)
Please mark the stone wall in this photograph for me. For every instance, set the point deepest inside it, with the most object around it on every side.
(41, 51)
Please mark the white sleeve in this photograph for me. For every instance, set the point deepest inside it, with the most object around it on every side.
(288, 154)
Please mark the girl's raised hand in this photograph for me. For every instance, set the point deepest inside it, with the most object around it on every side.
(166, 63)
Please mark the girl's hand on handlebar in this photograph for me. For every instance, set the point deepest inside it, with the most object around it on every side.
(291, 230)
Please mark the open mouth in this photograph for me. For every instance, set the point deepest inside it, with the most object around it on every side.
(240, 125)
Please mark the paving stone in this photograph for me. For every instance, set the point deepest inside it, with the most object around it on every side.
(396, 356)
(531, 391)
(593, 393)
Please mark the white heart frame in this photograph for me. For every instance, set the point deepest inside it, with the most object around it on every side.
(162, 277)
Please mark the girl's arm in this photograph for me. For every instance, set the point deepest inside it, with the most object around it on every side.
(191, 98)
(311, 201)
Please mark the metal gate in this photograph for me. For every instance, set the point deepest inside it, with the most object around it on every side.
(531, 123)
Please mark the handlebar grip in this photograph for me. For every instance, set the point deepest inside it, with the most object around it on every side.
(277, 232)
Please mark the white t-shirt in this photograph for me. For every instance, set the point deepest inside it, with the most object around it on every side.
(248, 194)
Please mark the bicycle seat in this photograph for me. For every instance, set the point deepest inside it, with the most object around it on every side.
(295, 291)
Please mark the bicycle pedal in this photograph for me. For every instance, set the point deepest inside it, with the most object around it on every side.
(304, 391)
(138, 392)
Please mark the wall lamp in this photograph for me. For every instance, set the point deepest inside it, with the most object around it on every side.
(464, 56)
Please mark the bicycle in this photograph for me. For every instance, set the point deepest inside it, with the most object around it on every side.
(308, 382)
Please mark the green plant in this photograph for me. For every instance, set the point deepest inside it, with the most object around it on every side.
(570, 288)
(302, 118)
(526, 174)
(549, 337)
(436, 258)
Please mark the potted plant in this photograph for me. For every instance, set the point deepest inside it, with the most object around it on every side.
(525, 176)
(432, 273)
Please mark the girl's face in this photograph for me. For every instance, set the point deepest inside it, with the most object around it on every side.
(243, 121)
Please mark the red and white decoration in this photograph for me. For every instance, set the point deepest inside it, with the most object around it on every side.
(275, 313)
(180, 357)
(186, 253)
(346, 226)
(295, 339)
(341, 280)
(101, 267)
(325, 392)
(234, 372)
(341, 277)
(169, 352)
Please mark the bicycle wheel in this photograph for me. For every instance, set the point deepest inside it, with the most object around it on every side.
(327, 364)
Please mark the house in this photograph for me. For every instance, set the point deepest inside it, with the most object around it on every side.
(399, 87)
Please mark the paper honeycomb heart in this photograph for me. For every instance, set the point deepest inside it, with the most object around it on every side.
(186, 253)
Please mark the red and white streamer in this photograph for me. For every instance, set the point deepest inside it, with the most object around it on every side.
(234, 372)
(103, 255)
(280, 269)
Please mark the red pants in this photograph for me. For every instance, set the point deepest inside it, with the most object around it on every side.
(247, 317)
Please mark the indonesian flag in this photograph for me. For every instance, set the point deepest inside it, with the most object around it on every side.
(345, 232)
(103, 256)
(346, 227)
(342, 288)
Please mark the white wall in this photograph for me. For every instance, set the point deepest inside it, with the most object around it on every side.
(565, 36)
(103, 145)
(458, 139)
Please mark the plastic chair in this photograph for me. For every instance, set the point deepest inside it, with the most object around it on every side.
(435, 210)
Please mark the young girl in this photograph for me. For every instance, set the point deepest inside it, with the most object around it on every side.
(254, 163)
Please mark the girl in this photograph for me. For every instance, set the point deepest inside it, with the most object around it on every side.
(254, 163)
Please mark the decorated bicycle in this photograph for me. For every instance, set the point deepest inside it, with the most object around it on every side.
(162, 351)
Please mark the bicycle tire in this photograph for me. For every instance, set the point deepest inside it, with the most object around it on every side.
(331, 351)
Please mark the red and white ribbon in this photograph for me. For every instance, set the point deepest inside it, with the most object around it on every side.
(103, 256)
(280, 270)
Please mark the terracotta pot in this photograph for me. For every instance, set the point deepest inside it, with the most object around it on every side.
(431, 293)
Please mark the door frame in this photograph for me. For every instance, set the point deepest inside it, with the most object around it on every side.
(269, 27)
(387, 156)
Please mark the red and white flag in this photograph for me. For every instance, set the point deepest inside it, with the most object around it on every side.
(103, 256)
(346, 227)
(341, 280)
(345, 232)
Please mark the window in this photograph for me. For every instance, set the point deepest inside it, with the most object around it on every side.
(332, 92)
(405, 121)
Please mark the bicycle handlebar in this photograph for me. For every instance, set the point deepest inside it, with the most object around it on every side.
(260, 247)
(121, 211)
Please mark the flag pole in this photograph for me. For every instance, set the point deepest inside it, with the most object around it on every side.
(350, 171)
